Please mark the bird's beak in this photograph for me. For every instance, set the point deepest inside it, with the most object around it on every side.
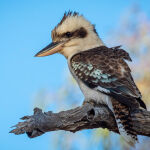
(50, 49)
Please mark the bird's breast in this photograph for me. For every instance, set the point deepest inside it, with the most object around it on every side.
(89, 93)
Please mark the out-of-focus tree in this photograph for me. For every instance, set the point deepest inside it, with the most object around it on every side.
(133, 32)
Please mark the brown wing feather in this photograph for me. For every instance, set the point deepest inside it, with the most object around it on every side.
(105, 67)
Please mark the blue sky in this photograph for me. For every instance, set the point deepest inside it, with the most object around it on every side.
(25, 28)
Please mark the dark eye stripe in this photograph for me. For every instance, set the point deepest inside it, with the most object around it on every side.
(80, 33)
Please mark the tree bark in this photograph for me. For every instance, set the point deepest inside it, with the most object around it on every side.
(88, 116)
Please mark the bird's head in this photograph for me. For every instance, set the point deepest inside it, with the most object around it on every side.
(73, 34)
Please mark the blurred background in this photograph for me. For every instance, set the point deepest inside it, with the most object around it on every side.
(27, 82)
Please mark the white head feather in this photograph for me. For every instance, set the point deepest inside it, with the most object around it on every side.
(72, 22)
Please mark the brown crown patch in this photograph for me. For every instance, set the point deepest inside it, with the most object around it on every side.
(66, 15)
(77, 33)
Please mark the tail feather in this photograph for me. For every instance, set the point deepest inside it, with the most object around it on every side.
(129, 136)
(124, 122)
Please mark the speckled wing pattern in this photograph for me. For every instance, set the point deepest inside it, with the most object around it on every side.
(105, 69)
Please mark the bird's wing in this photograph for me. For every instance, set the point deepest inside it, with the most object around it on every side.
(105, 70)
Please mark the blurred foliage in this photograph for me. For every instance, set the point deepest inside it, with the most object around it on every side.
(133, 32)
(144, 86)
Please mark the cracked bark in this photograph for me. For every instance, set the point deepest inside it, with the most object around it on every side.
(87, 116)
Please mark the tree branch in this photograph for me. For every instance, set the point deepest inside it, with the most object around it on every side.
(87, 116)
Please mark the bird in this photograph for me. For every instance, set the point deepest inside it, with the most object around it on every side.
(101, 72)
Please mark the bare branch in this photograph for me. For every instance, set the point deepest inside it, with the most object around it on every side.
(85, 117)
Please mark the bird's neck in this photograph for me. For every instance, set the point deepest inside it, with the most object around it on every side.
(83, 46)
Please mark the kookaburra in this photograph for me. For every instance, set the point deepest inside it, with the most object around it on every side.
(101, 72)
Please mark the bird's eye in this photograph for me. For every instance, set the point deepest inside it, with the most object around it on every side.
(68, 34)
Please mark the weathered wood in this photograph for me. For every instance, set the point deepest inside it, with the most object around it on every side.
(85, 117)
